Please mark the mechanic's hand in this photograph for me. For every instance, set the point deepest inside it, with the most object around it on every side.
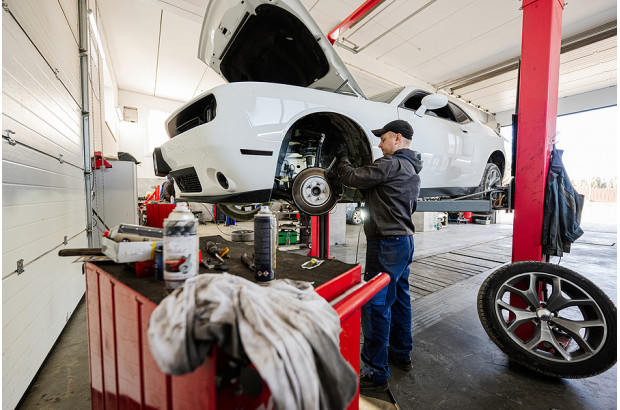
(341, 151)
(334, 183)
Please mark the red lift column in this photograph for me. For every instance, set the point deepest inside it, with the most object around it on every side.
(319, 236)
(538, 101)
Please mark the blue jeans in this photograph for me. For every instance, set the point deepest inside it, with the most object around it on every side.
(386, 318)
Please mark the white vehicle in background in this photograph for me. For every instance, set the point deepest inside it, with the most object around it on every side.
(290, 101)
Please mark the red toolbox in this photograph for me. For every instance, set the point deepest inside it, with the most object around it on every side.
(123, 373)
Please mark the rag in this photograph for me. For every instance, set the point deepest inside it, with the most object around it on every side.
(288, 332)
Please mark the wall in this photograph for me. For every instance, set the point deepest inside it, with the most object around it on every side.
(149, 132)
(338, 224)
(591, 100)
(43, 190)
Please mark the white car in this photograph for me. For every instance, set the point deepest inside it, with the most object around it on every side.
(269, 134)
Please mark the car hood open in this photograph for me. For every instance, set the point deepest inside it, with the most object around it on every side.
(271, 41)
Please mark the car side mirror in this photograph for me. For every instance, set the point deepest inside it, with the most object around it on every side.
(432, 102)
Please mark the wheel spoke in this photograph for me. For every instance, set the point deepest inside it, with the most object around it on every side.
(548, 336)
(529, 296)
(543, 334)
(521, 315)
(572, 328)
(535, 340)
(561, 302)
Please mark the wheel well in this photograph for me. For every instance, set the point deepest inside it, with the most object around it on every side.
(305, 135)
(498, 159)
(337, 128)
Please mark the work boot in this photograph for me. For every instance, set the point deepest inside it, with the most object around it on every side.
(367, 385)
(403, 364)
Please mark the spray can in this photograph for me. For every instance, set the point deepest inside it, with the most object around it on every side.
(180, 246)
(265, 241)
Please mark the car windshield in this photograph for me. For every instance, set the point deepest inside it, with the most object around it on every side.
(386, 96)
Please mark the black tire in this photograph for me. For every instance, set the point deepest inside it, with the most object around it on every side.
(557, 343)
(242, 236)
(357, 217)
(240, 212)
(491, 178)
(312, 192)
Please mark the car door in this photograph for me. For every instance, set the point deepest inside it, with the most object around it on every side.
(463, 150)
(443, 143)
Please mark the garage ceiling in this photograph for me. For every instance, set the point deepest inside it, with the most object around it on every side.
(468, 47)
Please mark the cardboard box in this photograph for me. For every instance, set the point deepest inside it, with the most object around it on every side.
(123, 252)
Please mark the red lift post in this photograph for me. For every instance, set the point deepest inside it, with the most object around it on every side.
(319, 236)
(538, 103)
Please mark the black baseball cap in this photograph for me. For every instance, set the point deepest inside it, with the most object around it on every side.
(401, 127)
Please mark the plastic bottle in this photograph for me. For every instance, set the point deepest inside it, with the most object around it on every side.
(265, 242)
(180, 246)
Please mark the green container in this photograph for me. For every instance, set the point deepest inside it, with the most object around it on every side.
(287, 237)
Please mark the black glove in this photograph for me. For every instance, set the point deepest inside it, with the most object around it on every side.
(334, 183)
(341, 151)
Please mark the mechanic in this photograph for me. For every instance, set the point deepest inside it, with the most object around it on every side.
(167, 189)
(391, 185)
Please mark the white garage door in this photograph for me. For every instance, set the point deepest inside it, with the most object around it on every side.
(43, 194)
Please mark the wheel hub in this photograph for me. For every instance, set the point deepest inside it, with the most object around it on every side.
(544, 314)
(315, 191)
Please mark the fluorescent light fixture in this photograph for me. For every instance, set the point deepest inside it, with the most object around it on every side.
(93, 24)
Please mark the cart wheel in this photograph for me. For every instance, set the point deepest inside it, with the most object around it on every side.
(312, 192)
(566, 326)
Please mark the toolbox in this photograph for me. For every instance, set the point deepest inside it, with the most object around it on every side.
(287, 237)
(123, 371)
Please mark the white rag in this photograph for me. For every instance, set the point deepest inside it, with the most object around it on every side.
(288, 332)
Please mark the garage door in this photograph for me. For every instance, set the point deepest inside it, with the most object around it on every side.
(43, 194)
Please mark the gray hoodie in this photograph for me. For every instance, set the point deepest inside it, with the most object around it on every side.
(391, 186)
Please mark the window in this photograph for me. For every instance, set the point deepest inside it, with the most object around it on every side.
(460, 115)
(156, 129)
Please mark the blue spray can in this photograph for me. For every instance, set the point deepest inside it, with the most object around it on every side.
(265, 243)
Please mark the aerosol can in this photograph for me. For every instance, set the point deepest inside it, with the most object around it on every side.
(180, 246)
(265, 242)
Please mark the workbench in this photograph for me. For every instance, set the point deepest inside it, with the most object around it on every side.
(123, 373)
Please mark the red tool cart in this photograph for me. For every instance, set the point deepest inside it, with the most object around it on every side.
(125, 375)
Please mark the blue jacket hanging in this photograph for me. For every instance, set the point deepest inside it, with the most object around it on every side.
(562, 211)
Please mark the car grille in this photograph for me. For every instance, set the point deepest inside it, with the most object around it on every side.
(200, 112)
(187, 180)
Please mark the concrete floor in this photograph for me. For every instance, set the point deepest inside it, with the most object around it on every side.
(456, 365)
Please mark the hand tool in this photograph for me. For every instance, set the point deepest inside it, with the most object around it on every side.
(80, 252)
(214, 251)
(247, 261)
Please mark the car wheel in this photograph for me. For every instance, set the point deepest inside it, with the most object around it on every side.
(312, 192)
(549, 319)
(491, 178)
(357, 217)
(240, 212)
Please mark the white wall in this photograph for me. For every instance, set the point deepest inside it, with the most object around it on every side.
(43, 198)
(140, 138)
(591, 100)
(338, 224)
